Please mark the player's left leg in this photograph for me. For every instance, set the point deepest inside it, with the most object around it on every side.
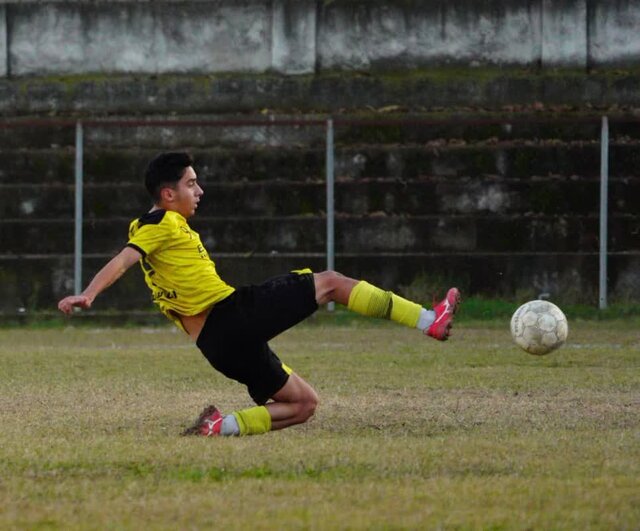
(366, 299)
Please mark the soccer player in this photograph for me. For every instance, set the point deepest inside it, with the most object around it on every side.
(231, 326)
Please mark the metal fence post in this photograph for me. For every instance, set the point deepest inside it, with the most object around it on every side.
(604, 187)
(330, 203)
(77, 258)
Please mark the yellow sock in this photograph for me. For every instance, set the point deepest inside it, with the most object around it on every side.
(254, 420)
(371, 301)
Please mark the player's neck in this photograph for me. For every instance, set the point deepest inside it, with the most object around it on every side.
(161, 206)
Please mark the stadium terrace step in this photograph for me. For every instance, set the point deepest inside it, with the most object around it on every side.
(307, 131)
(417, 89)
(359, 234)
(501, 207)
(37, 282)
(513, 160)
(485, 195)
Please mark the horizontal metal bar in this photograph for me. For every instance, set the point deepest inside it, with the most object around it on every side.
(319, 122)
(248, 254)
(201, 221)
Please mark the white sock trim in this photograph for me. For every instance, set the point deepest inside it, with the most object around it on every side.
(426, 319)
(229, 426)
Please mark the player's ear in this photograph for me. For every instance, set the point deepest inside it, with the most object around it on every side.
(166, 194)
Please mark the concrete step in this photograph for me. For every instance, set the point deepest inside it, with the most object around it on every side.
(414, 89)
(497, 209)
(446, 159)
(288, 131)
(359, 234)
(421, 196)
(32, 284)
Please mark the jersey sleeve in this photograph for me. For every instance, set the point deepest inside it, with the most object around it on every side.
(147, 238)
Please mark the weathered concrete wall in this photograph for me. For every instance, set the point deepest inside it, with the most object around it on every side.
(564, 33)
(293, 36)
(613, 33)
(498, 213)
(307, 36)
(392, 35)
(139, 38)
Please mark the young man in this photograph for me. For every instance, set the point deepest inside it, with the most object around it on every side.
(232, 326)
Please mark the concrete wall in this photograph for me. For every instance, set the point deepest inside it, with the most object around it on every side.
(613, 35)
(564, 33)
(307, 36)
(502, 210)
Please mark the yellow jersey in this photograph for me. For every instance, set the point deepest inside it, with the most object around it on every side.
(177, 268)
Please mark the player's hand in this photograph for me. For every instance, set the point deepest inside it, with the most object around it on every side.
(67, 304)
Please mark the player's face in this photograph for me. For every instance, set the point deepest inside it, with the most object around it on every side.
(187, 194)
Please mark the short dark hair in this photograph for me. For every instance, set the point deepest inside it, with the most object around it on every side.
(166, 170)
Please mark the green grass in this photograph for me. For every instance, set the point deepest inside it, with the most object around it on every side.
(477, 310)
(469, 434)
(489, 312)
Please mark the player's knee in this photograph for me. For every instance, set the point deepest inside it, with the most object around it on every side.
(312, 405)
(331, 279)
(307, 407)
(307, 410)
(333, 286)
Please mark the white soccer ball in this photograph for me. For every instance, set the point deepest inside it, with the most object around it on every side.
(539, 327)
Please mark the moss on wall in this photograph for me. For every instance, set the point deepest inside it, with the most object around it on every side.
(443, 90)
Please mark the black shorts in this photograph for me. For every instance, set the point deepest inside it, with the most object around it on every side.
(234, 336)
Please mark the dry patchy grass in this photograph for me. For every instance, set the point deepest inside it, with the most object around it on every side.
(410, 433)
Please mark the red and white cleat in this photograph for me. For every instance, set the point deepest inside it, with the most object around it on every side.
(208, 424)
(445, 310)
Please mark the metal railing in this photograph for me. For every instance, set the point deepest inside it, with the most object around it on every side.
(329, 124)
(604, 211)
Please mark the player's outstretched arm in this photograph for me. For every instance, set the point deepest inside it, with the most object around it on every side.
(111, 272)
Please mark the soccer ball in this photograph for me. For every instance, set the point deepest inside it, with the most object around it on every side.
(539, 327)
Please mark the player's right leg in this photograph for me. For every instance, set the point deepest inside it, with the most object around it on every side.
(366, 299)
(294, 403)
(280, 404)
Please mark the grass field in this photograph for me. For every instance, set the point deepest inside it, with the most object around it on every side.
(471, 434)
